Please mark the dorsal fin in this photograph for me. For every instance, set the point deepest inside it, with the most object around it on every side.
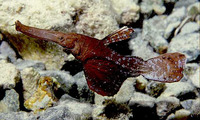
(122, 34)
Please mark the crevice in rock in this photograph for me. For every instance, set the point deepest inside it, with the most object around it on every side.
(19, 89)
(73, 92)
(171, 36)
(144, 113)
(73, 67)
(197, 60)
(59, 93)
(171, 111)
(114, 109)
(190, 95)
(2, 93)
(7, 39)
(169, 8)
(152, 14)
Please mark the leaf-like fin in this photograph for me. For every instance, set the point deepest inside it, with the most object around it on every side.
(165, 68)
(103, 77)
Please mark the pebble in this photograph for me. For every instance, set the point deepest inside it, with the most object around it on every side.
(17, 116)
(192, 73)
(187, 104)
(140, 83)
(174, 89)
(165, 105)
(44, 96)
(10, 102)
(3, 57)
(190, 27)
(6, 50)
(9, 75)
(143, 100)
(126, 91)
(181, 114)
(186, 44)
(30, 78)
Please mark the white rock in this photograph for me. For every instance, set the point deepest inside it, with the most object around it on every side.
(189, 27)
(30, 79)
(165, 105)
(170, 28)
(9, 75)
(128, 10)
(187, 104)
(195, 109)
(177, 15)
(147, 6)
(22, 115)
(187, 44)
(195, 78)
(99, 100)
(3, 57)
(181, 3)
(192, 73)
(77, 108)
(182, 114)
(125, 92)
(98, 18)
(10, 102)
(159, 43)
(159, 9)
(142, 100)
(177, 89)
(6, 50)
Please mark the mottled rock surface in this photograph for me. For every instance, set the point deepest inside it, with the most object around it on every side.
(10, 102)
(9, 75)
(143, 100)
(43, 97)
(174, 89)
(186, 44)
(30, 79)
(165, 105)
(22, 64)
(5, 49)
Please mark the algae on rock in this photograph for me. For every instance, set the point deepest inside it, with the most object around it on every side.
(44, 96)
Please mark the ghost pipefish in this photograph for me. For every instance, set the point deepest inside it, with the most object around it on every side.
(104, 69)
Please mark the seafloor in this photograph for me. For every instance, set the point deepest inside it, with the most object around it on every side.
(40, 81)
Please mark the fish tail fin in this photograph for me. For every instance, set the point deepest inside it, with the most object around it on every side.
(165, 68)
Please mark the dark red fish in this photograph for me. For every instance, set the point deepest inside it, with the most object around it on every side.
(106, 70)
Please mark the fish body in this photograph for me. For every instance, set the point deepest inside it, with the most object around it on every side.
(105, 70)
